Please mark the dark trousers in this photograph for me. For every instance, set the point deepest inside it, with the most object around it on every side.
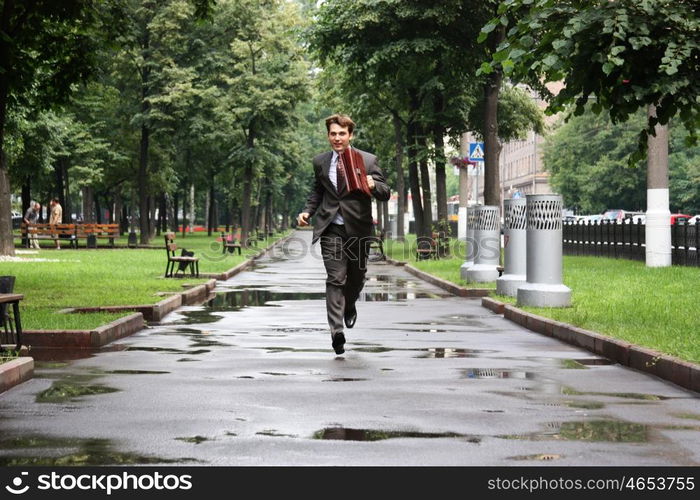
(345, 259)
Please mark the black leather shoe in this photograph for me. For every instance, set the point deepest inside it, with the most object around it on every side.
(350, 317)
(339, 343)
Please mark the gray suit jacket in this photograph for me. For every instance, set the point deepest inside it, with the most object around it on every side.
(356, 208)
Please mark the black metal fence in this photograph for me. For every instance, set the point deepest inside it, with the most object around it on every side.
(626, 241)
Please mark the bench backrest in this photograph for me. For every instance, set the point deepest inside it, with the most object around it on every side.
(233, 237)
(47, 229)
(107, 230)
(170, 245)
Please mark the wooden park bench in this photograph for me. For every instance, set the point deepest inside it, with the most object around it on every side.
(433, 247)
(104, 231)
(426, 248)
(231, 242)
(49, 232)
(183, 261)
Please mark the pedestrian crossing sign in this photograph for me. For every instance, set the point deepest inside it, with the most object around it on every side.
(476, 151)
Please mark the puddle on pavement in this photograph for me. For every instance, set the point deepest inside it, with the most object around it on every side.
(690, 416)
(481, 373)
(193, 439)
(624, 395)
(64, 391)
(136, 372)
(467, 323)
(345, 379)
(445, 352)
(167, 350)
(611, 431)
(582, 364)
(238, 299)
(198, 317)
(672, 427)
(276, 350)
(585, 405)
(543, 457)
(50, 354)
(349, 434)
(274, 433)
(418, 330)
(52, 451)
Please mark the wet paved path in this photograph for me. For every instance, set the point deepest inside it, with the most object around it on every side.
(427, 379)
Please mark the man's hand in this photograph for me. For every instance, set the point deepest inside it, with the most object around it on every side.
(370, 182)
(303, 219)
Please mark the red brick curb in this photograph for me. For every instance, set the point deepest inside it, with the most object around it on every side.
(84, 339)
(494, 305)
(678, 371)
(15, 372)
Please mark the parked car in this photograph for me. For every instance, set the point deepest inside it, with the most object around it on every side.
(694, 219)
(680, 219)
(590, 218)
(614, 214)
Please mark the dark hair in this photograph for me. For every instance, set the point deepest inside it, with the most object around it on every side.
(55, 200)
(343, 120)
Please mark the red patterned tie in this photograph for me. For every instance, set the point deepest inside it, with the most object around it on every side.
(340, 174)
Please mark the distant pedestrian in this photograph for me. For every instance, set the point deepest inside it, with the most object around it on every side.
(345, 180)
(56, 218)
(30, 218)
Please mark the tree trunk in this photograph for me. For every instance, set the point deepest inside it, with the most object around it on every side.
(174, 221)
(413, 179)
(144, 226)
(247, 188)
(98, 209)
(7, 243)
(400, 189)
(425, 186)
(658, 216)
(385, 210)
(210, 216)
(88, 205)
(162, 215)
(492, 146)
(26, 195)
(118, 213)
(440, 180)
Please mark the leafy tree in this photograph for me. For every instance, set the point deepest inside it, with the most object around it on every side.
(44, 47)
(268, 80)
(625, 55)
(587, 161)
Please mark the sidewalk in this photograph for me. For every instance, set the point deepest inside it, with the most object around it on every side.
(428, 379)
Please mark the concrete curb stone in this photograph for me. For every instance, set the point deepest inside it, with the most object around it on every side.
(15, 372)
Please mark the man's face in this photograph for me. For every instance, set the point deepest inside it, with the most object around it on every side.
(339, 137)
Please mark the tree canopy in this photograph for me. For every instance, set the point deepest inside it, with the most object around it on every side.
(620, 56)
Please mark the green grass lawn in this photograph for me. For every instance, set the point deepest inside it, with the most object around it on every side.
(65, 278)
